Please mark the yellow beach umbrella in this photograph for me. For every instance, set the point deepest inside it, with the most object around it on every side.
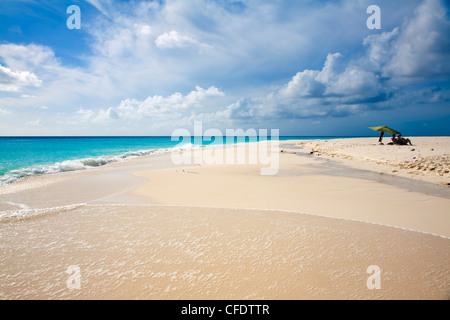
(384, 129)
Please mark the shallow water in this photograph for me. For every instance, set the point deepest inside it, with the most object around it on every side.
(333, 168)
(168, 252)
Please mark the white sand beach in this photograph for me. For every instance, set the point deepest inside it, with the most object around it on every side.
(428, 159)
(147, 229)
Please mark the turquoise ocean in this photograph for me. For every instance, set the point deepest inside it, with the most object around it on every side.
(25, 156)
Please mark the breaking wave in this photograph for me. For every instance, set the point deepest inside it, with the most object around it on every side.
(81, 164)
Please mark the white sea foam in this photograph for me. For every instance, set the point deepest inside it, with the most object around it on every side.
(20, 205)
(28, 213)
(256, 210)
(81, 164)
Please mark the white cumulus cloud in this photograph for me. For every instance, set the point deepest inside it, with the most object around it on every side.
(14, 81)
(416, 51)
(174, 39)
(154, 107)
(420, 49)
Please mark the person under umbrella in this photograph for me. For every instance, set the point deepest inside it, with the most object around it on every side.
(400, 140)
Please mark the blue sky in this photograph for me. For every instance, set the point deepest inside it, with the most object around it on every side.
(149, 67)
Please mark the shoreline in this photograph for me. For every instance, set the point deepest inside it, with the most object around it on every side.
(316, 146)
(317, 167)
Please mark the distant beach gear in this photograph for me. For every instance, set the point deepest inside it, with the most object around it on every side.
(383, 130)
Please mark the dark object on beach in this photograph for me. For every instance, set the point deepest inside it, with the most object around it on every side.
(400, 140)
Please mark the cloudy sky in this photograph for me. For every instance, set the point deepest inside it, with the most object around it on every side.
(306, 67)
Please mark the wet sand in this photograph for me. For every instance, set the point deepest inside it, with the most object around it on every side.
(162, 252)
